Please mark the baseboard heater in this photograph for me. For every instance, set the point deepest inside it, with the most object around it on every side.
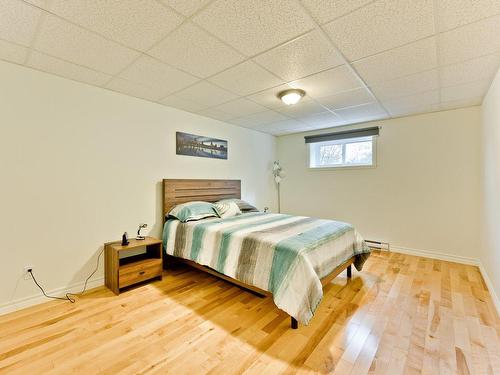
(378, 245)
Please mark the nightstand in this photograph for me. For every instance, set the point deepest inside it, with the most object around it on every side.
(122, 272)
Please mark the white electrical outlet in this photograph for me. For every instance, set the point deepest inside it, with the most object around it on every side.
(26, 274)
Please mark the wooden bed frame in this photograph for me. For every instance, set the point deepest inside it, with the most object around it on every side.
(176, 191)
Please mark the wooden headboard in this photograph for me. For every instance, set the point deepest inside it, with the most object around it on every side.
(182, 191)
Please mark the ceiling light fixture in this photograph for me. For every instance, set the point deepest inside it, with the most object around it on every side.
(291, 96)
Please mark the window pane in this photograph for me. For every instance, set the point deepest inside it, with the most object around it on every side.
(358, 153)
(330, 154)
(342, 153)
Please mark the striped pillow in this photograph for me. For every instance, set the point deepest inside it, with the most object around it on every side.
(226, 209)
(242, 205)
(192, 211)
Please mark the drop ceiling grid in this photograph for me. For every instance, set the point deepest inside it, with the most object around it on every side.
(47, 12)
(428, 69)
(437, 23)
(436, 35)
(38, 26)
(248, 58)
(455, 21)
(253, 59)
(346, 62)
(185, 21)
(141, 53)
(208, 5)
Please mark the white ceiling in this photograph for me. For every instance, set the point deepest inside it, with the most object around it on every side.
(358, 60)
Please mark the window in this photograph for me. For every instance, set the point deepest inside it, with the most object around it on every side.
(348, 148)
(349, 152)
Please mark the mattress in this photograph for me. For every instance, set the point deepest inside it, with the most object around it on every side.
(283, 254)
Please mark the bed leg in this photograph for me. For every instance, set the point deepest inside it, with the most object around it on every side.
(294, 323)
(349, 271)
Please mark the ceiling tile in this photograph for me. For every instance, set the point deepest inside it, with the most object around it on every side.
(317, 126)
(18, 21)
(327, 10)
(303, 108)
(181, 103)
(347, 99)
(39, 3)
(472, 70)
(409, 85)
(321, 119)
(240, 107)
(267, 117)
(471, 41)
(206, 94)
(12, 52)
(155, 74)
(269, 97)
(241, 121)
(465, 91)
(382, 25)
(135, 23)
(413, 103)
(72, 43)
(246, 78)
(278, 132)
(133, 89)
(191, 49)
(254, 26)
(186, 7)
(287, 124)
(252, 127)
(259, 119)
(279, 127)
(364, 112)
(416, 109)
(301, 57)
(461, 103)
(330, 82)
(455, 13)
(412, 58)
(66, 69)
(216, 114)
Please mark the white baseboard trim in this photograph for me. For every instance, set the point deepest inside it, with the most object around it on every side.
(436, 255)
(39, 298)
(491, 289)
(22, 303)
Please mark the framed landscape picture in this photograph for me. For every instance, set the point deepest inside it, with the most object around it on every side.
(201, 146)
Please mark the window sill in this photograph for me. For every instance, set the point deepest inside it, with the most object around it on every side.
(343, 167)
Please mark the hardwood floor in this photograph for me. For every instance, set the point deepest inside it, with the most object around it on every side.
(401, 314)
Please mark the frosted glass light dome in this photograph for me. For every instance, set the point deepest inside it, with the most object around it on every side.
(292, 96)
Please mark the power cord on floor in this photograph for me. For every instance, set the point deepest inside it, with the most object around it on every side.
(67, 296)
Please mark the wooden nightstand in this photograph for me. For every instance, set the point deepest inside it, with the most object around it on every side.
(120, 273)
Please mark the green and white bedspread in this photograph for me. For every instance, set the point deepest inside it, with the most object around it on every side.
(283, 254)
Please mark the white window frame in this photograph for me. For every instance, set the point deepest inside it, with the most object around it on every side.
(343, 142)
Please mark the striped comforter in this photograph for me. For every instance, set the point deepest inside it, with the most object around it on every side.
(283, 254)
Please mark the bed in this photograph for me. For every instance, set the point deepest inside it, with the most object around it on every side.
(287, 257)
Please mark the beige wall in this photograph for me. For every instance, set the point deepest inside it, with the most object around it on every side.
(423, 195)
(490, 255)
(81, 165)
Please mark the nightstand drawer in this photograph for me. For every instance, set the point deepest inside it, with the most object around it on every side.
(139, 272)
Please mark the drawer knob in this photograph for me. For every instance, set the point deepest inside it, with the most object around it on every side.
(142, 272)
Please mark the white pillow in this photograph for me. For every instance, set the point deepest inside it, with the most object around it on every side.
(227, 209)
